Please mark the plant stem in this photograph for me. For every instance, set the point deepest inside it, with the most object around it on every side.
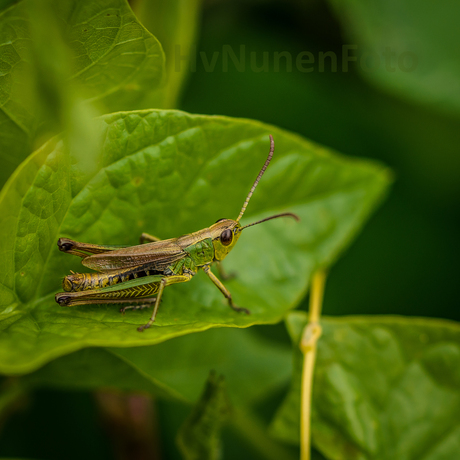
(310, 336)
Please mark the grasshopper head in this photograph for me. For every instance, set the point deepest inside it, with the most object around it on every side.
(225, 232)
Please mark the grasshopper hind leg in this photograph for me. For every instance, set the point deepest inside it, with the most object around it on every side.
(141, 290)
(166, 281)
(163, 283)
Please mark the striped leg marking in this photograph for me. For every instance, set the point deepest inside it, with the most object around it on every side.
(173, 279)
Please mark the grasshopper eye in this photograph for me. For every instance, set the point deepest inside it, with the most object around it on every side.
(226, 237)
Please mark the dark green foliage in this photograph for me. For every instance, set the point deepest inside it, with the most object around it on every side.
(89, 152)
(390, 384)
(199, 437)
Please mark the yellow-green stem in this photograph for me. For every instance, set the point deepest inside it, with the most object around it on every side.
(310, 335)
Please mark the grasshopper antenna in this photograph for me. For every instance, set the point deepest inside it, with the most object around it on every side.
(283, 214)
(261, 173)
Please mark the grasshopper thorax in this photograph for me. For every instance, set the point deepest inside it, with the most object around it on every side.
(225, 234)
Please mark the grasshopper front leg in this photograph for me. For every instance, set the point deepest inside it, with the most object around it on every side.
(224, 290)
(224, 276)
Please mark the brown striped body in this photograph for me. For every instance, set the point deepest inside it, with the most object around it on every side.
(86, 281)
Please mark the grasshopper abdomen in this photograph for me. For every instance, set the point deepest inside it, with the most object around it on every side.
(85, 281)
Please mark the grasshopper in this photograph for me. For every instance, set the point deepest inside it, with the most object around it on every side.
(139, 274)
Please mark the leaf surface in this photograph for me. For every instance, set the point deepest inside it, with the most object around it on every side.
(92, 51)
(252, 366)
(384, 388)
(170, 173)
(175, 24)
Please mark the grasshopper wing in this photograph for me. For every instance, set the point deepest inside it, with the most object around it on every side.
(158, 255)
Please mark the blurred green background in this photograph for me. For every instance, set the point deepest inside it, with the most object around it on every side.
(405, 261)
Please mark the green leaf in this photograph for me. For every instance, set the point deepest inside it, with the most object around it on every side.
(175, 24)
(384, 388)
(170, 173)
(199, 436)
(93, 369)
(252, 366)
(6, 3)
(54, 54)
(412, 42)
